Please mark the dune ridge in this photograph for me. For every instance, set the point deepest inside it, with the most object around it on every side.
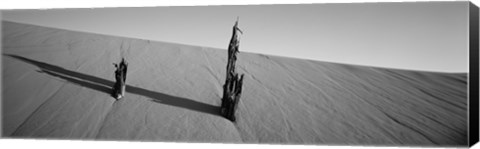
(56, 84)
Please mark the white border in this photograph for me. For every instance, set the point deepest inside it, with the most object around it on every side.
(47, 4)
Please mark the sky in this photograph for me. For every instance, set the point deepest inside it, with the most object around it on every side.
(427, 36)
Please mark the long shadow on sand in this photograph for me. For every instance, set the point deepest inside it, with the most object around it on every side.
(104, 85)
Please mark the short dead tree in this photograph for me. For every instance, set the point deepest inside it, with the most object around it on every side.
(118, 90)
(232, 88)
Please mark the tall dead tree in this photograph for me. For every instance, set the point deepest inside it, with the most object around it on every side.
(232, 88)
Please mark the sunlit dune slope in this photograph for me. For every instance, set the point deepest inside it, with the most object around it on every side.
(56, 84)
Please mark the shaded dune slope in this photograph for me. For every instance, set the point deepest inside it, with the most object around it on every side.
(56, 84)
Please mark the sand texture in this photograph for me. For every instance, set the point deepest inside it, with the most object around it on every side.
(57, 84)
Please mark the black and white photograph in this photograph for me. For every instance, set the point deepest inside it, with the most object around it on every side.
(347, 74)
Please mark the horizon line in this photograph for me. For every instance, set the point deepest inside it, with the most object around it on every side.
(218, 48)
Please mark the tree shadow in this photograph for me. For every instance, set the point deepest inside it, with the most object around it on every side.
(105, 86)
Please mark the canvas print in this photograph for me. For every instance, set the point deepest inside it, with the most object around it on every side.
(369, 74)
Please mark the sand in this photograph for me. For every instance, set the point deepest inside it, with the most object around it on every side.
(57, 84)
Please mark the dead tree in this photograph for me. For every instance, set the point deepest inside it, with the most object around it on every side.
(232, 88)
(118, 90)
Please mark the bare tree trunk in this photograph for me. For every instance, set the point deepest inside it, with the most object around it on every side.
(233, 84)
(118, 90)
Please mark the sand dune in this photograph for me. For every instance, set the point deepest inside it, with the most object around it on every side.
(57, 85)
